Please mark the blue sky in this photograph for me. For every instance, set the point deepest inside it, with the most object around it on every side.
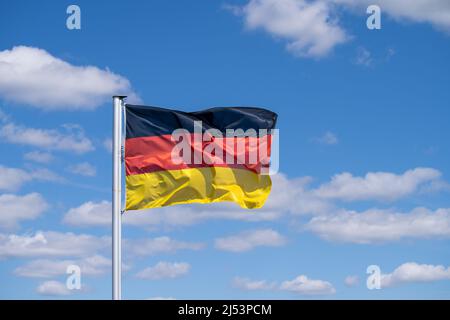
(363, 119)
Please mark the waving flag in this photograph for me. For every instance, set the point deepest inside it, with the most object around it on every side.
(219, 154)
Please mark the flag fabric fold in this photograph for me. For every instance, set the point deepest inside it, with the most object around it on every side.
(175, 157)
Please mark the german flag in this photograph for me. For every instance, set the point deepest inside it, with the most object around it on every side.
(219, 154)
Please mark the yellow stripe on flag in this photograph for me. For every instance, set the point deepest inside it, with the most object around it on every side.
(197, 185)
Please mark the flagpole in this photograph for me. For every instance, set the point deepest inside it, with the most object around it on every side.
(117, 197)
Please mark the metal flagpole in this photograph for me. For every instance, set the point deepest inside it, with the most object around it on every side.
(117, 197)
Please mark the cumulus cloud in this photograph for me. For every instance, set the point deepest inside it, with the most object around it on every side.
(39, 157)
(99, 214)
(413, 272)
(16, 208)
(310, 28)
(434, 12)
(287, 195)
(43, 174)
(89, 214)
(376, 185)
(248, 240)
(70, 138)
(83, 169)
(53, 288)
(300, 285)
(45, 268)
(292, 197)
(250, 285)
(303, 285)
(152, 246)
(164, 270)
(51, 244)
(194, 214)
(34, 77)
(11, 179)
(373, 225)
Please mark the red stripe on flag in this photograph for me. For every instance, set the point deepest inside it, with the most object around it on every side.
(149, 154)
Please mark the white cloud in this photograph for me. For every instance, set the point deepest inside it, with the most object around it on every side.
(152, 246)
(99, 214)
(11, 179)
(328, 138)
(83, 169)
(39, 157)
(248, 284)
(376, 185)
(287, 195)
(44, 268)
(33, 76)
(14, 208)
(295, 196)
(177, 216)
(309, 27)
(71, 138)
(90, 214)
(414, 272)
(435, 12)
(303, 285)
(248, 240)
(53, 288)
(351, 281)
(43, 174)
(363, 57)
(374, 225)
(164, 270)
(51, 244)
